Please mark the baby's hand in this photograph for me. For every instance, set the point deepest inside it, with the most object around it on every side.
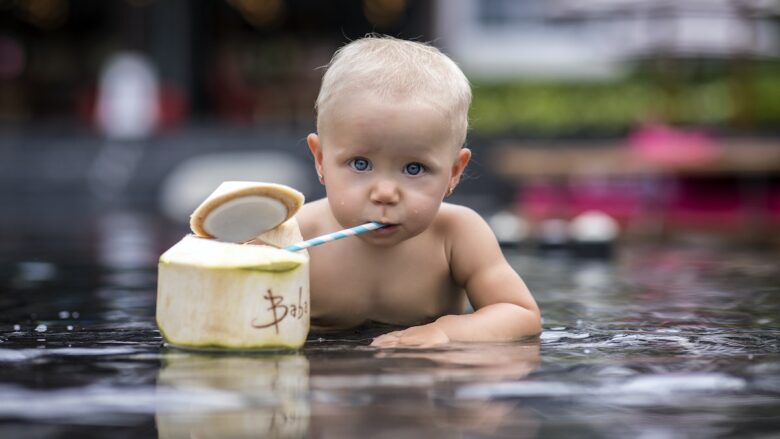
(417, 336)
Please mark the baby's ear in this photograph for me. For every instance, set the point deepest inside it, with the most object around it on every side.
(462, 159)
(313, 140)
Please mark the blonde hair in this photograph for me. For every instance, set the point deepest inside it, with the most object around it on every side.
(393, 68)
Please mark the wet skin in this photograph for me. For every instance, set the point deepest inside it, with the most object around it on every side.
(394, 161)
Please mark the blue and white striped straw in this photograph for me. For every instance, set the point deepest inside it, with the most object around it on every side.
(334, 236)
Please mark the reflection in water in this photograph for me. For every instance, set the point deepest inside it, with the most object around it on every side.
(666, 342)
(271, 392)
(488, 361)
(413, 393)
(296, 395)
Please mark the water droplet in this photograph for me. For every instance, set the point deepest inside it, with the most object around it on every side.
(17, 327)
(75, 314)
(587, 351)
(41, 328)
(750, 357)
(669, 330)
(64, 314)
(70, 327)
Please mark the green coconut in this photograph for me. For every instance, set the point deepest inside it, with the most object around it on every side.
(213, 295)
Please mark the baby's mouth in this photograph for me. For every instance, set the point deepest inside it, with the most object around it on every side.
(386, 229)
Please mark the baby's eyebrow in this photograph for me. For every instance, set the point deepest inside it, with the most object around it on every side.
(357, 149)
(418, 156)
(344, 151)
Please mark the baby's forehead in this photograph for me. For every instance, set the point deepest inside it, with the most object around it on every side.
(359, 113)
(401, 149)
(363, 107)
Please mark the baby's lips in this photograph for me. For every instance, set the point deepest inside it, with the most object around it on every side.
(389, 229)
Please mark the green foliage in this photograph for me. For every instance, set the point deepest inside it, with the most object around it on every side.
(556, 107)
(767, 102)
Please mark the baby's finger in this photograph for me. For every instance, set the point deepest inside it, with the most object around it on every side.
(415, 341)
(422, 339)
(387, 340)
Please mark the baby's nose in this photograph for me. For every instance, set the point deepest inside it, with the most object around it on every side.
(385, 192)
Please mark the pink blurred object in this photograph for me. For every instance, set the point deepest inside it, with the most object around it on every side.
(773, 203)
(661, 144)
(619, 198)
(715, 204)
(541, 199)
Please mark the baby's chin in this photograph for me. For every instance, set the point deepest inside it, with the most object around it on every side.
(381, 243)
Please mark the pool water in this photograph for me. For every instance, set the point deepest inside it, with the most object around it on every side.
(662, 342)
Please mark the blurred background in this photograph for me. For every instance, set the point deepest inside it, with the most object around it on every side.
(645, 133)
(592, 120)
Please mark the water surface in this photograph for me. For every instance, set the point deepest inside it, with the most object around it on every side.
(659, 342)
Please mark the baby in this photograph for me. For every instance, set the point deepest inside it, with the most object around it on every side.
(392, 117)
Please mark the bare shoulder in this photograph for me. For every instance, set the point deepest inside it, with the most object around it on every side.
(470, 242)
(453, 218)
(314, 217)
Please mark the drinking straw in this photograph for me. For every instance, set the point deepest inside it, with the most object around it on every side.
(335, 235)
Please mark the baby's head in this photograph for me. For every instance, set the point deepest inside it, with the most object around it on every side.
(393, 69)
(391, 123)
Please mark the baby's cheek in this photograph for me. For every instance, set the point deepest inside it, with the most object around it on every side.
(424, 213)
(345, 211)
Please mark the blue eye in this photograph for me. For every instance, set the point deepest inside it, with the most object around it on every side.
(414, 168)
(360, 164)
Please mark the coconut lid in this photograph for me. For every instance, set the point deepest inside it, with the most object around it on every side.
(239, 211)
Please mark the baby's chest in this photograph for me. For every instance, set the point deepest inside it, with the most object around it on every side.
(409, 289)
(410, 297)
(417, 287)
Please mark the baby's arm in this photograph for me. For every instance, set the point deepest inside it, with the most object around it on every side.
(504, 307)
